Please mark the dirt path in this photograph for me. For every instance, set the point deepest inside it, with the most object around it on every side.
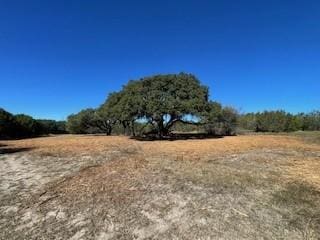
(23, 175)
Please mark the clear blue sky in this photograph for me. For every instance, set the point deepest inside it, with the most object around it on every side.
(58, 57)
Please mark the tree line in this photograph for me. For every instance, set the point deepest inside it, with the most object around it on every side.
(280, 121)
(24, 126)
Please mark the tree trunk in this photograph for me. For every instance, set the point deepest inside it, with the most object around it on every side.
(132, 129)
(109, 131)
(160, 129)
(124, 127)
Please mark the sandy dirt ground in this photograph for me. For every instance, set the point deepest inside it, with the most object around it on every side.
(99, 187)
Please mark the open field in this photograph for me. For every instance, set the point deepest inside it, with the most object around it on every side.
(99, 187)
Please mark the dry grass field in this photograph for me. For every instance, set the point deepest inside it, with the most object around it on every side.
(99, 187)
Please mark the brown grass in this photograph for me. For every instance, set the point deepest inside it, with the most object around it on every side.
(115, 181)
(243, 187)
(307, 168)
(80, 144)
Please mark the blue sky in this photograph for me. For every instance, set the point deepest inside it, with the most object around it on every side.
(58, 57)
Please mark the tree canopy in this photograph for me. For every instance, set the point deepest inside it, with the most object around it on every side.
(155, 104)
(161, 100)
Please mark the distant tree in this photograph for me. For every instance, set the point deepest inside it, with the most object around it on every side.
(103, 123)
(114, 111)
(52, 126)
(294, 123)
(24, 126)
(229, 120)
(313, 121)
(8, 125)
(212, 118)
(89, 121)
(82, 122)
(220, 120)
(271, 121)
(61, 127)
(27, 126)
(280, 121)
(248, 121)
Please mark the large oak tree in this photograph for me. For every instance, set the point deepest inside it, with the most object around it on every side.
(161, 100)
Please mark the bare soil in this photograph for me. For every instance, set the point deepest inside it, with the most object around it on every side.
(99, 187)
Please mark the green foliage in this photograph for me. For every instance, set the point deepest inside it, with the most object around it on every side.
(90, 121)
(280, 121)
(8, 125)
(273, 121)
(212, 118)
(248, 121)
(220, 120)
(155, 105)
(229, 120)
(28, 127)
(310, 121)
(114, 112)
(160, 100)
(52, 126)
(24, 126)
(82, 122)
